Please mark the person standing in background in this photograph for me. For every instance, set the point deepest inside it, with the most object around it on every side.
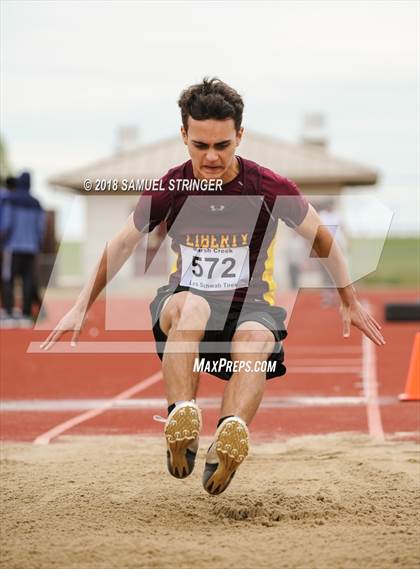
(296, 254)
(22, 229)
(5, 189)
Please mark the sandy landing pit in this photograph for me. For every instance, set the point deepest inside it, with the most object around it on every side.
(335, 501)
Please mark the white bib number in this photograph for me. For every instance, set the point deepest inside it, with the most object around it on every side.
(215, 269)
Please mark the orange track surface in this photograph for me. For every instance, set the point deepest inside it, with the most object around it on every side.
(64, 376)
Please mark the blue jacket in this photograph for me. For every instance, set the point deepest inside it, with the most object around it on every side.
(22, 219)
(4, 194)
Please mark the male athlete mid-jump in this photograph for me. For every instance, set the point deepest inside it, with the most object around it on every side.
(219, 294)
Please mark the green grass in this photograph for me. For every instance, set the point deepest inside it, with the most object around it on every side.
(399, 264)
(70, 258)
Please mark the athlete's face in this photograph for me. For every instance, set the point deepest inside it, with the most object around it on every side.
(211, 144)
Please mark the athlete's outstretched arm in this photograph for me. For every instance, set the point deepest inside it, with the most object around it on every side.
(115, 254)
(326, 248)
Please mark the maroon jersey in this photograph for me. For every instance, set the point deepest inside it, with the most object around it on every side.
(224, 240)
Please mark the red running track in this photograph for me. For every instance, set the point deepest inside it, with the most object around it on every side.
(328, 387)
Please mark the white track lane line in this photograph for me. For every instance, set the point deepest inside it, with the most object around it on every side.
(116, 347)
(322, 350)
(159, 403)
(46, 437)
(323, 369)
(369, 379)
(370, 386)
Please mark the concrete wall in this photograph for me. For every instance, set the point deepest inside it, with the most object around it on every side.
(105, 216)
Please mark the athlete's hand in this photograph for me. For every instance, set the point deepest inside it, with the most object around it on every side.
(71, 322)
(355, 314)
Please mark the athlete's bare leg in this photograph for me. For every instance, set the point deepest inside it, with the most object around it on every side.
(183, 319)
(244, 391)
(241, 399)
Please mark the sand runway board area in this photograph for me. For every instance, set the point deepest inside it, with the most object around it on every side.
(334, 501)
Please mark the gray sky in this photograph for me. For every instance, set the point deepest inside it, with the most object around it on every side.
(74, 71)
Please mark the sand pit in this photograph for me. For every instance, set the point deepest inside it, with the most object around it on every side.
(335, 501)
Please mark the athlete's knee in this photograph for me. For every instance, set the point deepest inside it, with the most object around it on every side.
(259, 341)
(186, 311)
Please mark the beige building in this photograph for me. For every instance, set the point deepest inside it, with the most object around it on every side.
(309, 164)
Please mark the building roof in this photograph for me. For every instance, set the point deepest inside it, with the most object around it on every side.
(308, 165)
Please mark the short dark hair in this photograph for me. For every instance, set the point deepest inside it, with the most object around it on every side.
(11, 182)
(211, 99)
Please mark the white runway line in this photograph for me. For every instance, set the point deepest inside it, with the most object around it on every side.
(95, 347)
(60, 405)
(370, 386)
(314, 350)
(145, 347)
(46, 437)
(323, 369)
(314, 362)
(359, 361)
